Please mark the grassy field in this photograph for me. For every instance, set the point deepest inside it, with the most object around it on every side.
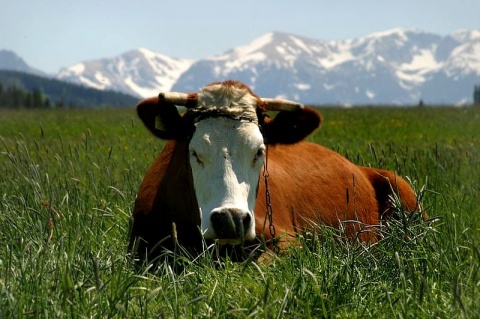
(68, 180)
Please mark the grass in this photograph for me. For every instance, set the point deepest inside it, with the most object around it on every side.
(68, 180)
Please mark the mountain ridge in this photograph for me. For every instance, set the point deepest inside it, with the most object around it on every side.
(390, 67)
(10, 61)
(139, 72)
(397, 66)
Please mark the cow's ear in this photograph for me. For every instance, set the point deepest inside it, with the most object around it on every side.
(291, 127)
(161, 118)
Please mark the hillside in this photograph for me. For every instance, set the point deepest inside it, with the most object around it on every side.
(63, 93)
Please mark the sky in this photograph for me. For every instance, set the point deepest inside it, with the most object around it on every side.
(53, 34)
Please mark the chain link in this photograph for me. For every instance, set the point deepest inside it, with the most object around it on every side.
(269, 213)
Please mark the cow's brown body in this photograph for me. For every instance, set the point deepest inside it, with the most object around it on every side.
(308, 184)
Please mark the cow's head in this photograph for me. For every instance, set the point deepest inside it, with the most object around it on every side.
(227, 131)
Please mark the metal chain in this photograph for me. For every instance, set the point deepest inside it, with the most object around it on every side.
(269, 213)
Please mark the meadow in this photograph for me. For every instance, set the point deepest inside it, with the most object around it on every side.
(68, 180)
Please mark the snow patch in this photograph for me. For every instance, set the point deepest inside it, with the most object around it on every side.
(76, 69)
(302, 86)
(240, 63)
(328, 87)
(86, 81)
(142, 91)
(466, 35)
(422, 63)
(462, 102)
(299, 43)
(280, 49)
(410, 77)
(396, 31)
(424, 60)
(102, 79)
(465, 57)
(256, 44)
(336, 59)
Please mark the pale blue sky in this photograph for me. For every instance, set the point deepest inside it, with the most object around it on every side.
(50, 34)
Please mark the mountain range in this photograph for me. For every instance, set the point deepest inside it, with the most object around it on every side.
(392, 67)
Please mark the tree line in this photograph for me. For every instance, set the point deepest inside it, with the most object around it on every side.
(476, 95)
(14, 97)
(20, 89)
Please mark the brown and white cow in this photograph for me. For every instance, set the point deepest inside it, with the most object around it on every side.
(206, 185)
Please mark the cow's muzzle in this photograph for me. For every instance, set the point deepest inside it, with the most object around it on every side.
(231, 224)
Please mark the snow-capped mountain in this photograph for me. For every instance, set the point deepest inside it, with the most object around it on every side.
(391, 67)
(139, 72)
(396, 66)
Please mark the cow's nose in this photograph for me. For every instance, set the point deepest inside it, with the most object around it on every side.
(230, 223)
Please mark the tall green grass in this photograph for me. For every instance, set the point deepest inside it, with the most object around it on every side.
(68, 180)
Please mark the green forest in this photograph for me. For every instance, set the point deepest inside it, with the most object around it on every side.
(22, 90)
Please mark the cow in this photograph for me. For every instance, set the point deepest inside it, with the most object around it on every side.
(236, 171)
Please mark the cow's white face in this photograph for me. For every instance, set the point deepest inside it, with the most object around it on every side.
(226, 157)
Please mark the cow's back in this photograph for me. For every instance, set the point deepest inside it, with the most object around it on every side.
(309, 183)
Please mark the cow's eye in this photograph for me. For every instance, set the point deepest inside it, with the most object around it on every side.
(196, 157)
(259, 154)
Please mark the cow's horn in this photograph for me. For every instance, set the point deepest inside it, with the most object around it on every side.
(281, 105)
(178, 98)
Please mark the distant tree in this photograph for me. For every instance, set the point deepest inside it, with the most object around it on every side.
(476, 95)
(37, 98)
(47, 104)
(17, 96)
(28, 100)
(60, 104)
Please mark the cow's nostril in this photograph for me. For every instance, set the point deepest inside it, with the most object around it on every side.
(221, 221)
(230, 223)
(246, 222)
